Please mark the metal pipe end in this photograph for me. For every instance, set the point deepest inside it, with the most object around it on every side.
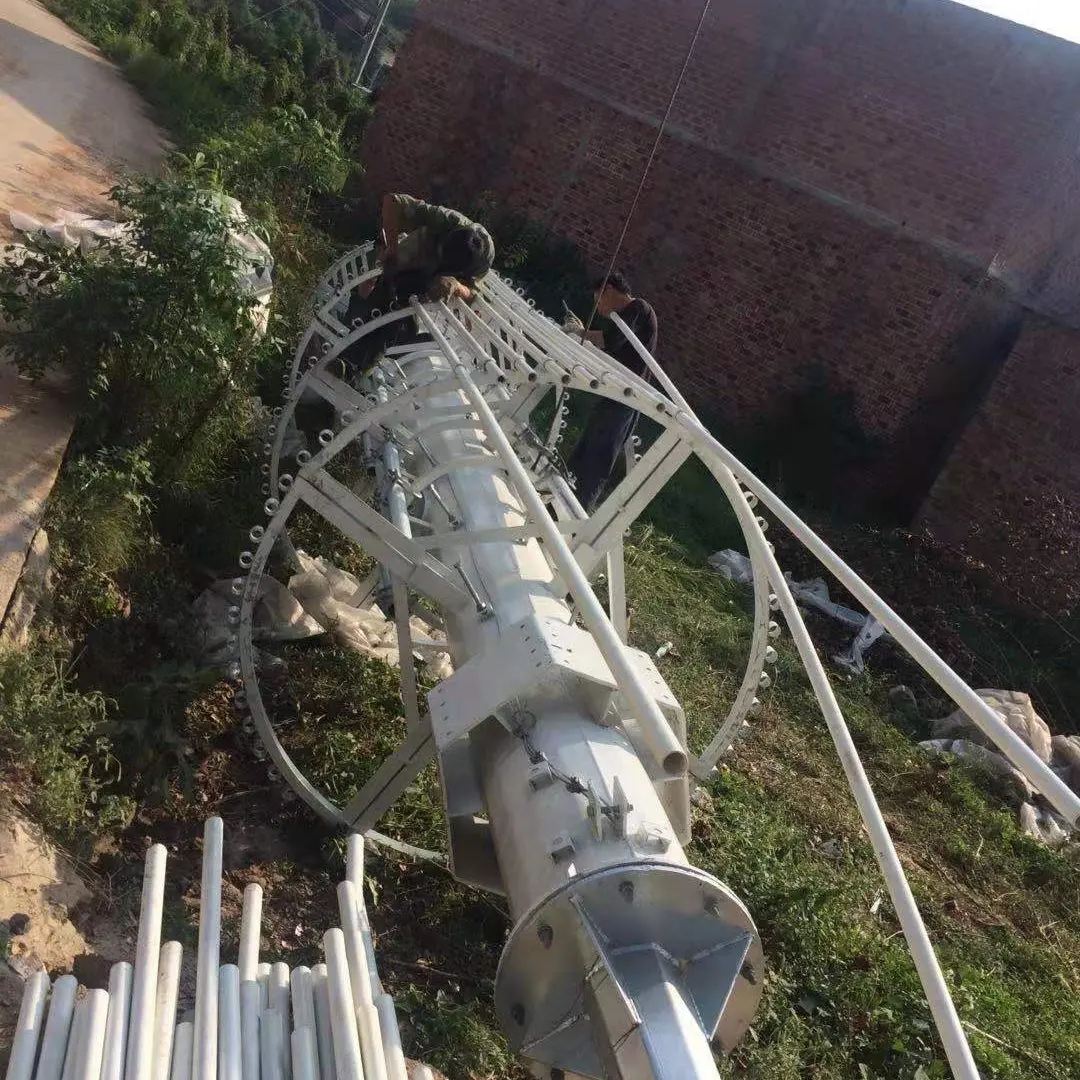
(675, 763)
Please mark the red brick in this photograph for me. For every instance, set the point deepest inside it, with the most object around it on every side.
(838, 177)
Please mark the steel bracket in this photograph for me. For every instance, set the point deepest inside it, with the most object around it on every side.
(537, 659)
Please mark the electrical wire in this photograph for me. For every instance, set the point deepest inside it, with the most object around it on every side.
(265, 15)
(648, 164)
(337, 15)
(289, 3)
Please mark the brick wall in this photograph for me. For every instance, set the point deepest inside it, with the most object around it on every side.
(1011, 489)
(839, 183)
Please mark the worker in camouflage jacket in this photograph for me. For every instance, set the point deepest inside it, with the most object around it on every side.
(442, 255)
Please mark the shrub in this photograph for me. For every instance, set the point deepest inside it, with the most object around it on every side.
(812, 445)
(52, 743)
(101, 508)
(550, 268)
(155, 328)
(287, 158)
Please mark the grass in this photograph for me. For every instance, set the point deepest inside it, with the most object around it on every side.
(842, 998)
(53, 751)
(138, 719)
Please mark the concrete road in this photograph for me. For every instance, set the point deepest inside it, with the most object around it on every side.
(69, 124)
(68, 121)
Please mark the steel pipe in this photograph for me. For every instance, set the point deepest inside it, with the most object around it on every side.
(263, 978)
(24, 1045)
(54, 1039)
(140, 1046)
(92, 1037)
(371, 1042)
(941, 1004)
(347, 1060)
(659, 737)
(183, 1051)
(76, 1039)
(393, 1054)
(303, 1005)
(116, 1030)
(1041, 776)
(280, 987)
(168, 990)
(303, 997)
(303, 1054)
(204, 1064)
(230, 1062)
(250, 1008)
(324, 1035)
(274, 1045)
(250, 932)
(360, 976)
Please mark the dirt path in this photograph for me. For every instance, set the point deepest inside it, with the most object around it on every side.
(69, 124)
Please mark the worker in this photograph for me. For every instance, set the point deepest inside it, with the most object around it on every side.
(443, 255)
(611, 423)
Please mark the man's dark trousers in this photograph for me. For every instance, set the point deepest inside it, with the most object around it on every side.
(598, 449)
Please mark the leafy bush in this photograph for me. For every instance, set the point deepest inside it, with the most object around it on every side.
(287, 158)
(52, 742)
(550, 268)
(156, 328)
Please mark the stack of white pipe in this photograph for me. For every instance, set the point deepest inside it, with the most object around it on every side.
(252, 1020)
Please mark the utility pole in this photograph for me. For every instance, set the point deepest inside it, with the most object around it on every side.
(376, 26)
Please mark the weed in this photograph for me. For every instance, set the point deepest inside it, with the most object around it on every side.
(452, 1036)
(53, 745)
(842, 997)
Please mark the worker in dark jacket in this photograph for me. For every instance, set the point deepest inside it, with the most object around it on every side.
(611, 423)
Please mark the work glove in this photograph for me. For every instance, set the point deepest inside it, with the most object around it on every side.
(572, 324)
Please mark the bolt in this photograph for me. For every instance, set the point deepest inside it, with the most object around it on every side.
(517, 1013)
(626, 891)
(546, 935)
(748, 973)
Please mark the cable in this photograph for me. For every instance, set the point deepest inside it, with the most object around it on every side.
(336, 14)
(265, 15)
(290, 3)
(648, 164)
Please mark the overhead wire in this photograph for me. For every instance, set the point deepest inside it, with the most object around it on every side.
(265, 15)
(290, 3)
(648, 163)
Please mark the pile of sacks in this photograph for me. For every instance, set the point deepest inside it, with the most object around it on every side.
(321, 599)
(956, 734)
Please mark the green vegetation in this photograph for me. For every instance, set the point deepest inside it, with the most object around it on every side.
(155, 332)
(210, 66)
(111, 706)
(53, 743)
(842, 998)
